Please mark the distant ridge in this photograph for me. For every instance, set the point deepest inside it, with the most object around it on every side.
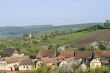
(20, 30)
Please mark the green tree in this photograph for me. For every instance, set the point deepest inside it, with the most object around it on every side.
(107, 24)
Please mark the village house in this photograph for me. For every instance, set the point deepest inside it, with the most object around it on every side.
(83, 67)
(45, 57)
(16, 62)
(67, 60)
(10, 51)
(38, 64)
(26, 64)
(69, 64)
(85, 55)
(104, 56)
(95, 63)
(65, 67)
(49, 62)
(46, 53)
(63, 48)
(67, 54)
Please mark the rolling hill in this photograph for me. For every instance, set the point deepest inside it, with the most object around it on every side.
(39, 29)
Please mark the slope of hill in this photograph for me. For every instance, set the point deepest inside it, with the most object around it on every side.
(76, 39)
(96, 36)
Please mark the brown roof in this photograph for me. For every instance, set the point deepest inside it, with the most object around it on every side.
(48, 60)
(12, 59)
(46, 53)
(26, 61)
(104, 53)
(9, 51)
(83, 54)
(67, 54)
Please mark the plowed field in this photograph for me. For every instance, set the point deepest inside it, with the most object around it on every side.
(96, 36)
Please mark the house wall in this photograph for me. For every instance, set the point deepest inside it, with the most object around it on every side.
(83, 67)
(25, 67)
(95, 63)
(4, 67)
(38, 65)
(49, 64)
(7, 67)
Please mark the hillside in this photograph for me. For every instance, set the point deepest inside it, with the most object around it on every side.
(96, 36)
(78, 39)
(40, 29)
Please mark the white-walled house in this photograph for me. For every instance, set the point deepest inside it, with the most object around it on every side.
(16, 62)
(83, 67)
(95, 63)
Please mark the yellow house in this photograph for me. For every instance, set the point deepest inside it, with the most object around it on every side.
(95, 63)
(46, 61)
(3, 66)
(8, 65)
(15, 63)
(26, 64)
(49, 61)
(38, 64)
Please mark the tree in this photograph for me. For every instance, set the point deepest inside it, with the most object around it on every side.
(102, 47)
(107, 24)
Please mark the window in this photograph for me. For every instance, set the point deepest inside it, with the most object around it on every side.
(24, 66)
(27, 67)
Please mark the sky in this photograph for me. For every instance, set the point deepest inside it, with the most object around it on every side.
(55, 12)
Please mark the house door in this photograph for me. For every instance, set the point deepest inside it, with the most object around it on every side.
(16, 67)
(11, 69)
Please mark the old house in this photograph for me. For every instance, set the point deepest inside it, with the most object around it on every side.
(83, 67)
(85, 55)
(10, 51)
(10, 63)
(104, 56)
(49, 61)
(46, 53)
(67, 54)
(3, 65)
(65, 67)
(73, 62)
(46, 61)
(95, 63)
(26, 64)
(69, 64)
(16, 62)
(38, 64)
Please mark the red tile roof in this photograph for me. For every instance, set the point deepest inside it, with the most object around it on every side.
(9, 51)
(83, 54)
(104, 53)
(46, 53)
(67, 54)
